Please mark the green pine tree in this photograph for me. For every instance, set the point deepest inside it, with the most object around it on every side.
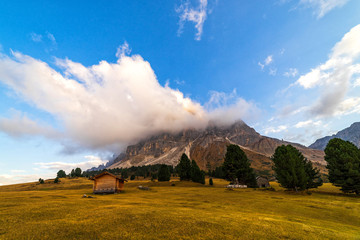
(237, 166)
(164, 173)
(293, 171)
(184, 168)
(343, 163)
(61, 174)
(196, 174)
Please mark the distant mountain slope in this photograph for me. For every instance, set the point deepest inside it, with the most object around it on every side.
(351, 134)
(208, 147)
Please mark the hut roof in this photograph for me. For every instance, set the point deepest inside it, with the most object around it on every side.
(262, 177)
(105, 173)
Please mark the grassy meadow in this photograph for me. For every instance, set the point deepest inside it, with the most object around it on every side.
(184, 211)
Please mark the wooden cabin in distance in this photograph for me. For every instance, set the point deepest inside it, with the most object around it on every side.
(106, 182)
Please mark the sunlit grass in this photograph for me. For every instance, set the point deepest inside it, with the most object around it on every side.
(184, 211)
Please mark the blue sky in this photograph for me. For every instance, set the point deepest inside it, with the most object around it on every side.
(80, 80)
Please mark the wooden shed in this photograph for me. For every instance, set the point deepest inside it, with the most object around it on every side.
(106, 182)
(262, 182)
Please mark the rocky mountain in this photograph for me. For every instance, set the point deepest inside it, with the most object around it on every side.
(208, 147)
(351, 134)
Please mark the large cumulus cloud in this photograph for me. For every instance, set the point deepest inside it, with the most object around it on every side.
(104, 106)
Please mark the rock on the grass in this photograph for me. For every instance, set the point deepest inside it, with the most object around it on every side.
(143, 188)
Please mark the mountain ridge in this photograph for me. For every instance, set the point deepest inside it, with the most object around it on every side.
(351, 134)
(208, 147)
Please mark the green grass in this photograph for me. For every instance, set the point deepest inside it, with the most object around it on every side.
(184, 211)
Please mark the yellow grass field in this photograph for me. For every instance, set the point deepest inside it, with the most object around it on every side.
(184, 211)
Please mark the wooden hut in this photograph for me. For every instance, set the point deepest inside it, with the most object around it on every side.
(106, 182)
(262, 182)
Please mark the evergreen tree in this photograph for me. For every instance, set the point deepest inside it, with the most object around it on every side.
(78, 172)
(72, 174)
(343, 163)
(164, 173)
(313, 175)
(196, 174)
(293, 171)
(218, 172)
(124, 173)
(153, 176)
(61, 174)
(184, 168)
(237, 166)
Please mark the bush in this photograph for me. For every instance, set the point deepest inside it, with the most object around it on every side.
(56, 180)
(41, 181)
(132, 177)
(211, 182)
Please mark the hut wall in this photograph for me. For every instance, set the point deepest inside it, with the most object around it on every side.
(105, 182)
(120, 185)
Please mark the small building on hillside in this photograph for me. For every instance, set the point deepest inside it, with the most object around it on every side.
(106, 182)
(262, 182)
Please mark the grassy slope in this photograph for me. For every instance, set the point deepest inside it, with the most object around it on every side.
(184, 211)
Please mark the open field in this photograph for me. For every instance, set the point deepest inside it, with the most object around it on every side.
(184, 211)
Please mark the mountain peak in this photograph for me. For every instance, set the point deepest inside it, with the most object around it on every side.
(351, 134)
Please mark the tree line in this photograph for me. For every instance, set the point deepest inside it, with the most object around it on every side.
(292, 170)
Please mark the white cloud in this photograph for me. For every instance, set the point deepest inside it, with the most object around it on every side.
(105, 106)
(322, 7)
(92, 161)
(261, 65)
(272, 71)
(308, 123)
(179, 82)
(196, 15)
(123, 50)
(269, 60)
(17, 171)
(223, 108)
(6, 179)
(292, 72)
(357, 83)
(277, 129)
(334, 76)
(19, 125)
(36, 37)
(51, 37)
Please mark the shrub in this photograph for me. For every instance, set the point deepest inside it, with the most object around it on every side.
(211, 182)
(56, 180)
(132, 177)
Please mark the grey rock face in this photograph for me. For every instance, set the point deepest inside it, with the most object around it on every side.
(208, 147)
(351, 134)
